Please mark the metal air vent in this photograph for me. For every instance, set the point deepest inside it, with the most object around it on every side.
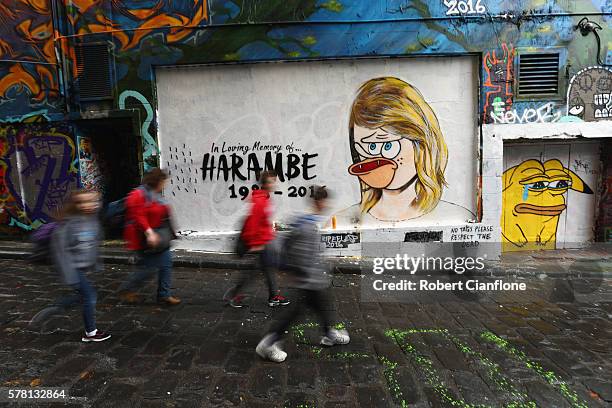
(538, 74)
(94, 71)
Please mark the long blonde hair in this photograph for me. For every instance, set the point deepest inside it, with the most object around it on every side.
(399, 108)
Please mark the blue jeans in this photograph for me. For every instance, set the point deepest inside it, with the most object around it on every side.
(84, 293)
(148, 265)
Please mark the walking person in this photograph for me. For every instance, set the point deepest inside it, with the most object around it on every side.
(75, 244)
(258, 237)
(148, 232)
(303, 258)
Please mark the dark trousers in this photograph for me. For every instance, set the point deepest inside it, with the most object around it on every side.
(267, 264)
(317, 300)
(85, 294)
(149, 265)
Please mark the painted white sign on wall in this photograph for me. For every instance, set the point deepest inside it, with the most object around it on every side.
(394, 140)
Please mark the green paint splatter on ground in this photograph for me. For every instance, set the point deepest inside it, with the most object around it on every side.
(548, 376)
(390, 373)
(433, 378)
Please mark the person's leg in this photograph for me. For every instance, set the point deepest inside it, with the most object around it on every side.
(164, 281)
(267, 264)
(59, 306)
(146, 268)
(88, 301)
(319, 302)
(234, 295)
(268, 348)
(287, 318)
(69, 300)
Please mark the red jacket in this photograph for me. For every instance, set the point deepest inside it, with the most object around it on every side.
(140, 215)
(257, 228)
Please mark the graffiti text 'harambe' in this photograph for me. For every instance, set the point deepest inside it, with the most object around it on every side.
(287, 167)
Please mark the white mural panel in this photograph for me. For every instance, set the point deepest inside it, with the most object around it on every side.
(395, 141)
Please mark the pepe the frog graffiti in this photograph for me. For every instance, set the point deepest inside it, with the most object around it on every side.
(399, 156)
(533, 198)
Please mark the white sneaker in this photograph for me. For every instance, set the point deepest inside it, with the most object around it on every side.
(271, 352)
(335, 337)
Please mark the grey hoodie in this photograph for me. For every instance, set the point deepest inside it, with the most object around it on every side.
(75, 246)
(305, 254)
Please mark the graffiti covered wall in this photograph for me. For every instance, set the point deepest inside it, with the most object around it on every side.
(38, 168)
(38, 69)
(394, 140)
(548, 195)
(29, 73)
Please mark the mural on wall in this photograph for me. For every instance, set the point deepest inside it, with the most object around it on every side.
(90, 167)
(149, 33)
(38, 170)
(399, 156)
(498, 81)
(28, 65)
(589, 96)
(282, 117)
(524, 112)
(149, 145)
(533, 197)
(131, 21)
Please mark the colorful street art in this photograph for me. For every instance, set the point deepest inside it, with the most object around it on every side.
(498, 82)
(38, 170)
(28, 65)
(589, 96)
(149, 145)
(90, 171)
(533, 198)
(38, 69)
(546, 113)
(130, 21)
(399, 155)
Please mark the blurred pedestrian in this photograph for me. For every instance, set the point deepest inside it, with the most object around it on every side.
(257, 236)
(304, 259)
(75, 247)
(148, 232)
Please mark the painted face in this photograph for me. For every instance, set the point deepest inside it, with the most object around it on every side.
(533, 198)
(590, 94)
(386, 159)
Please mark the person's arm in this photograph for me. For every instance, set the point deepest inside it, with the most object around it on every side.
(136, 207)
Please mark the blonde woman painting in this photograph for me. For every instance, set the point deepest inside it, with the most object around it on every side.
(399, 156)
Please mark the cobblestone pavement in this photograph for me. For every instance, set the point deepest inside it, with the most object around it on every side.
(550, 347)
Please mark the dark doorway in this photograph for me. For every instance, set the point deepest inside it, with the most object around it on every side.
(109, 159)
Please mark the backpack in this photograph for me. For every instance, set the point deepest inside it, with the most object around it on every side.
(114, 214)
(41, 238)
